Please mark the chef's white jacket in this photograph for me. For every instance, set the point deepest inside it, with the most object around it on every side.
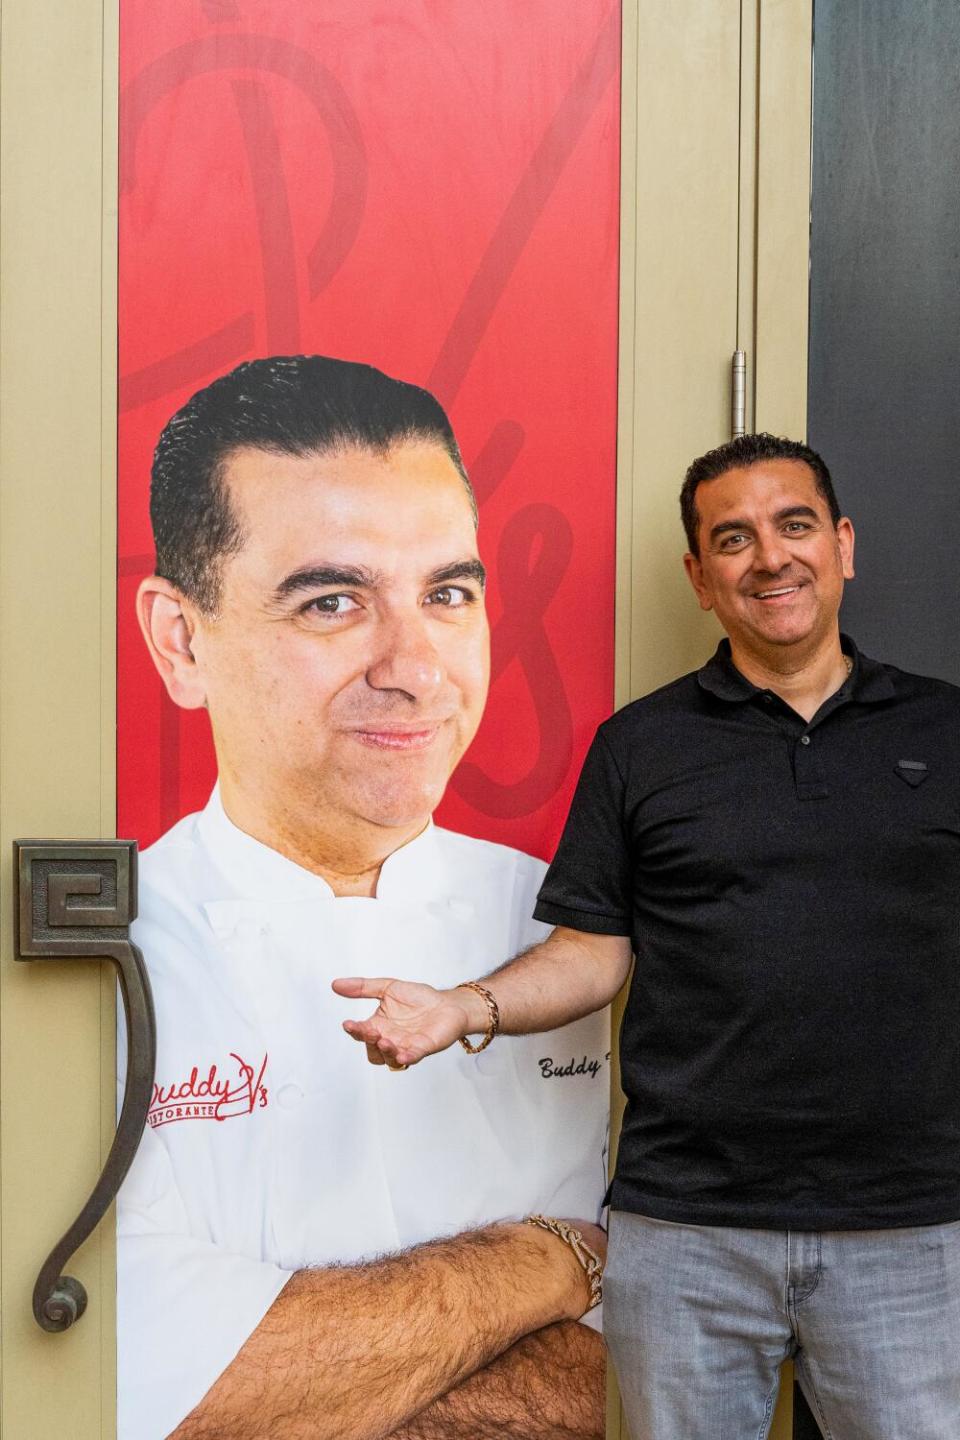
(272, 1143)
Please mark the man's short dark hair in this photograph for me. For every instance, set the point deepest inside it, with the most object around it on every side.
(284, 405)
(749, 450)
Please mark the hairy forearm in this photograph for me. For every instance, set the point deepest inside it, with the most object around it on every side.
(354, 1352)
(549, 1386)
(569, 975)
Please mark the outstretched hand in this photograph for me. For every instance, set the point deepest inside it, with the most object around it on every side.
(411, 1021)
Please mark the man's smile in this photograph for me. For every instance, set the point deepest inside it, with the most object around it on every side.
(399, 737)
(779, 592)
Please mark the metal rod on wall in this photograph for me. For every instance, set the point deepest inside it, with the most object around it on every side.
(738, 420)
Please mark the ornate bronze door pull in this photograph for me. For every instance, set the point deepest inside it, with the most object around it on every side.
(76, 899)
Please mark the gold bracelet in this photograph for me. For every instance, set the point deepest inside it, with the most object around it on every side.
(589, 1259)
(493, 1020)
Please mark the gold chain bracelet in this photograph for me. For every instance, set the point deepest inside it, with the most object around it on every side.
(493, 1018)
(589, 1259)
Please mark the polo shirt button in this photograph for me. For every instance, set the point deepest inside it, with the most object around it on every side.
(804, 739)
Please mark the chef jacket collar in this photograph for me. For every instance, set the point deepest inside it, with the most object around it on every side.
(412, 874)
(867, 682)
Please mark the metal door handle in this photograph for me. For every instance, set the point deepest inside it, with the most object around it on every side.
(76, 899)
(738, 395)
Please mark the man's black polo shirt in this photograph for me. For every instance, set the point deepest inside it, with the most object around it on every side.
(791, 1045)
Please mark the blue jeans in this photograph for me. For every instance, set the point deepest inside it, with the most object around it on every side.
(699, 1318)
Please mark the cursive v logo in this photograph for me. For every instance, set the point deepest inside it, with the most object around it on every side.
(238, 1091)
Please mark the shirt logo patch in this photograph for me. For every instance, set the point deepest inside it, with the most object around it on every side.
(238, 1091)
(913, 771)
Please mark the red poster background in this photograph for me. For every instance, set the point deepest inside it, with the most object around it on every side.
(432, 188)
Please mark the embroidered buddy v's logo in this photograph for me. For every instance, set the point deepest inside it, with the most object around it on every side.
(212, 1097)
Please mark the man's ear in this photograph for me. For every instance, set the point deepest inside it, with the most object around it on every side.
(167, 621)
(694, 571)
(845, 545)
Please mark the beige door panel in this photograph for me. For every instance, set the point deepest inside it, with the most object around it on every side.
(57, 566)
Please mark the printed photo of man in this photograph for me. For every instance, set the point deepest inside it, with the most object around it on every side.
(310, 1245)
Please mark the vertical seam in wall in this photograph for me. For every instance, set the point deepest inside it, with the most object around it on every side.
(813, 101)
(625, 549)
(2, 659)
(740, 344)
(754, 308)
(634, 326)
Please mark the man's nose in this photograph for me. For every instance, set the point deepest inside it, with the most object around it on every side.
(406, 658)
(770, 553)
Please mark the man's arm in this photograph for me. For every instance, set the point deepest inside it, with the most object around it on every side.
(354, 1353)
(549, 1386)
(571, 974)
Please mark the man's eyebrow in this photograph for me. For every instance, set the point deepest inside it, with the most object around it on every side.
(805, 512)
(314, 577)
(726, 526)
(459, 570)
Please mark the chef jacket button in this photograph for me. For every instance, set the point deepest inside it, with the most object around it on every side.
(289, 1096)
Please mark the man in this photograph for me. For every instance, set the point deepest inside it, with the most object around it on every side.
(777, 838)
(319, 591)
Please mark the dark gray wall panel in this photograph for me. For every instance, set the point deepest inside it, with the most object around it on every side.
(884, 387)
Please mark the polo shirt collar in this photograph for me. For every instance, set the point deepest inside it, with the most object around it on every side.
(722, 678)
(867, 683)
(257, 872)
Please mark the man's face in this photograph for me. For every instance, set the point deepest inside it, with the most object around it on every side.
(347, 669)
(771, 563)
